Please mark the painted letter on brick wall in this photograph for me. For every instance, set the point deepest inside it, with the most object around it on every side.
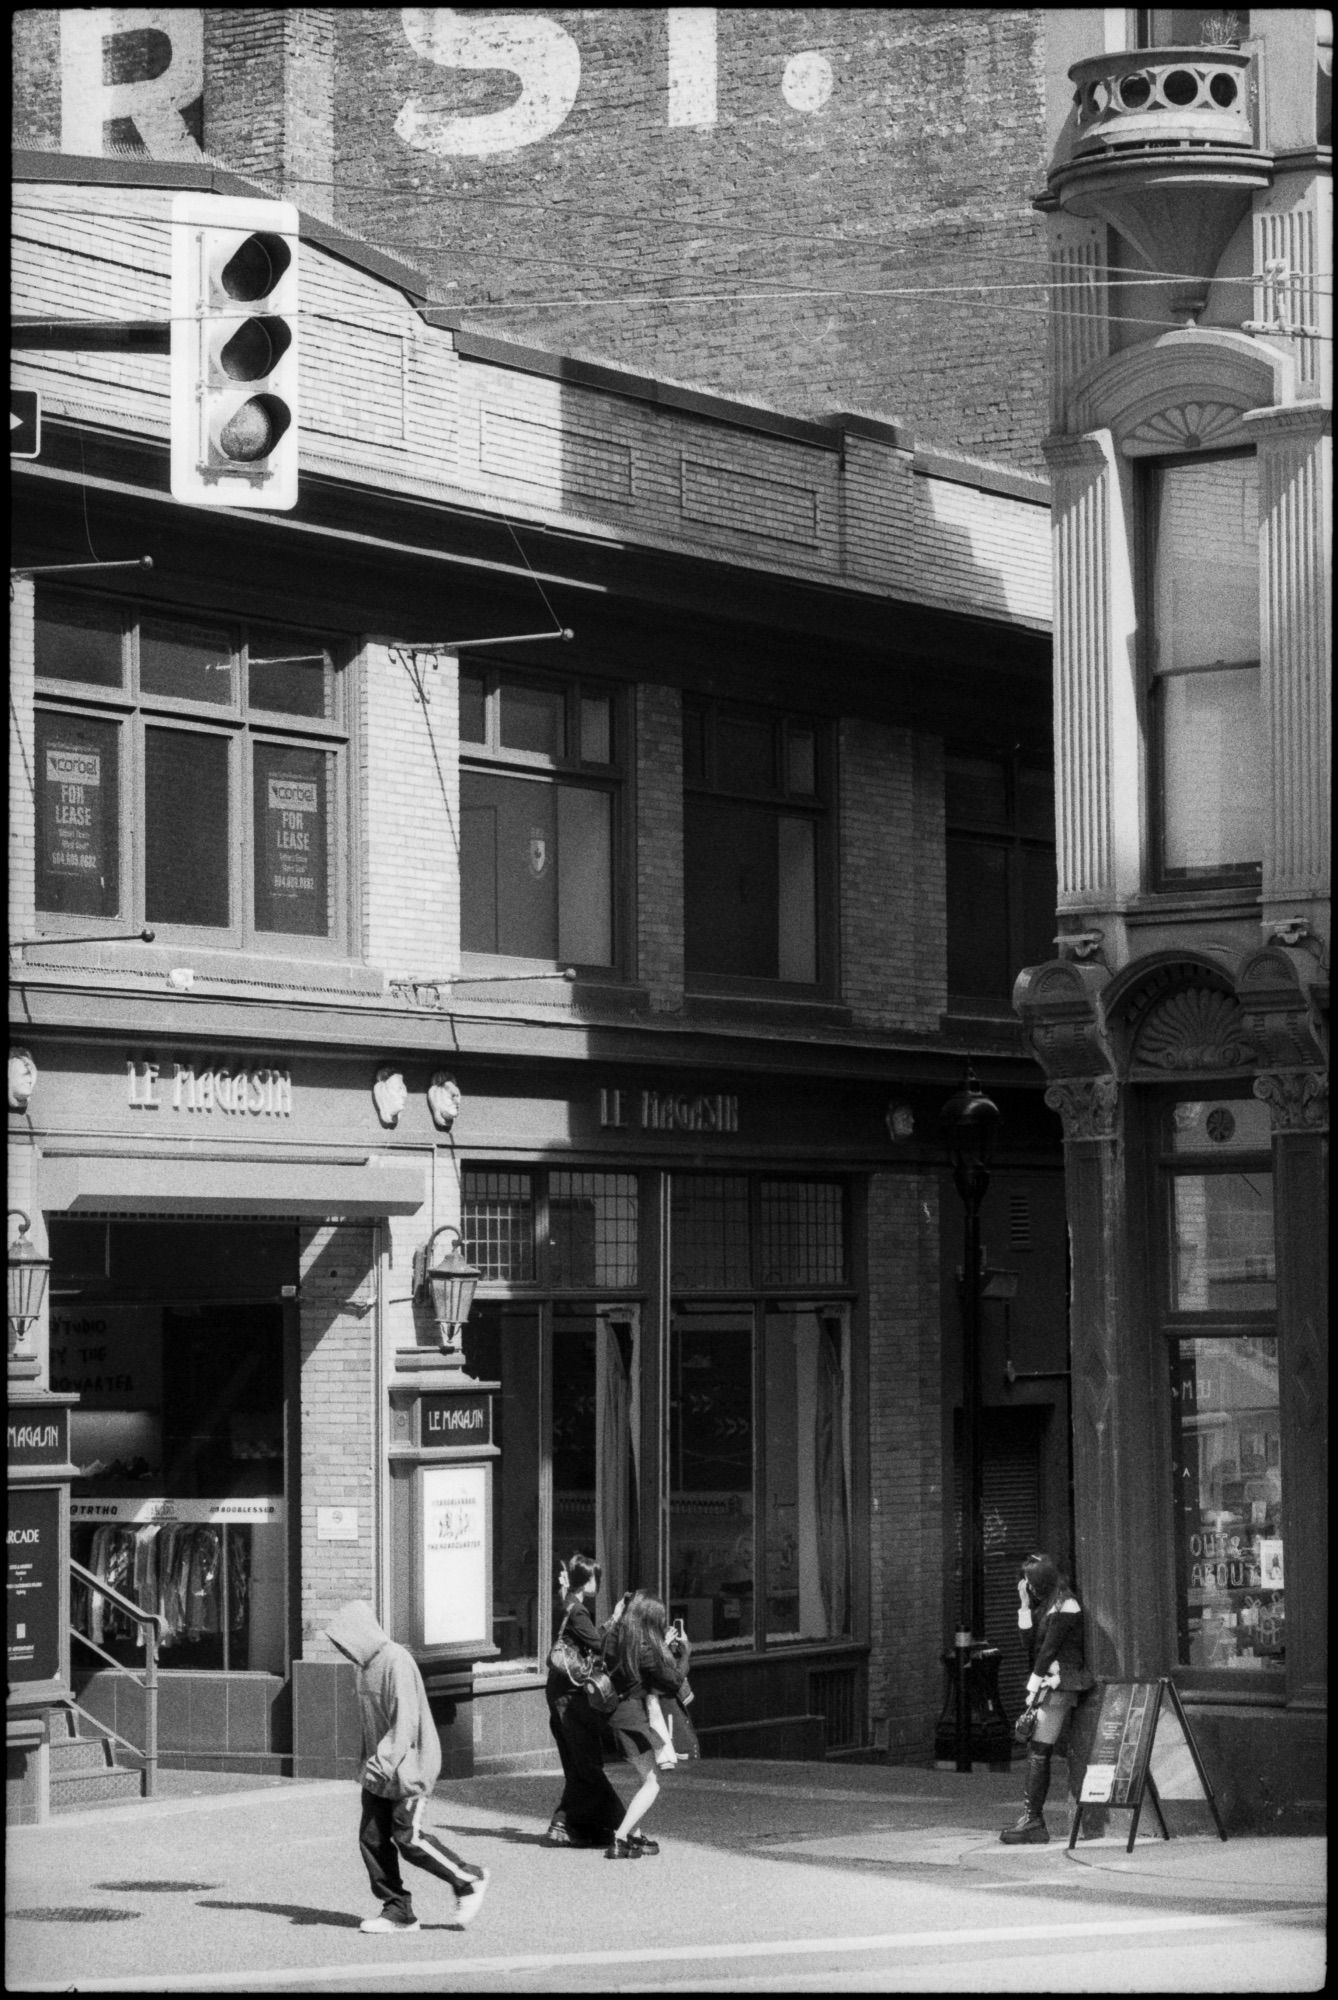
(134, 77)
(536, 50)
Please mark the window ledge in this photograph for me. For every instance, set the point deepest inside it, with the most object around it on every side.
(1236, 899)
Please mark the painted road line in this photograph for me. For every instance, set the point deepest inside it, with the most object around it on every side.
(567, 1962)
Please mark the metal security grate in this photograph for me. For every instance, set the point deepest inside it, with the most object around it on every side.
(833, 1693)
(710, 1230)
(592, 1227)
(499, 1223)
(803, 1238)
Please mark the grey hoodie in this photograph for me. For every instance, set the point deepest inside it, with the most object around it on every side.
(399, 1737)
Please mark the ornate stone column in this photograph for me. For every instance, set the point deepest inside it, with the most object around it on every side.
(1295, 502)
(1298, 1100)
(1116, 1471)
(1096, 731)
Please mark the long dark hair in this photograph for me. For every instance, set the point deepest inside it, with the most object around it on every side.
(643, 1624)
(1047, 1584)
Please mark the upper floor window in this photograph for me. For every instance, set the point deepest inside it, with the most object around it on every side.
(190, 773)
(1002, 890)
(1201, 602)
(1192, 27)
(755, 845)
(540, 784)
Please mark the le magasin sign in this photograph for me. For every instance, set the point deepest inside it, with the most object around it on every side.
(456, 1420)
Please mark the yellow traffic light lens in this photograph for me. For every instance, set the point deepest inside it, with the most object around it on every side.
(255, 267)
(254, 348)
(253, 430)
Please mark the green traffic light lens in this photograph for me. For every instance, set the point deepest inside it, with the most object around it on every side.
(253, 430)
(254, 349)
(255, 266)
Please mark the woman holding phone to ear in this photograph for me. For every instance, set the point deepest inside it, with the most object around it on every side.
(1050, 1620)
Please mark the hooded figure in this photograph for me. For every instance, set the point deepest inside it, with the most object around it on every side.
(399, 1736)
(402, 1761)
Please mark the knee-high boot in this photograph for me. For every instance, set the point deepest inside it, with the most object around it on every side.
(1030, 1829)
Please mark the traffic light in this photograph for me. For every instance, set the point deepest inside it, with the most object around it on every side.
(234, 351)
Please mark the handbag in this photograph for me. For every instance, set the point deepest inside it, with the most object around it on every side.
(600, 1692)
(1025, 1726)
(567, 1658)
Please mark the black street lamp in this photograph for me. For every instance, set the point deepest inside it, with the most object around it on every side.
(969, 1121)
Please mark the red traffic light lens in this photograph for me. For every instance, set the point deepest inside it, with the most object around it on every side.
(255, 266)
(253, 430)
(254, 348)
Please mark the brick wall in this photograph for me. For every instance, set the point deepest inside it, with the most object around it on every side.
(917, 170)
(339, 1401)
(906, 1475)
(269, 97)
(892, 883)
(659, 845)
(409, 772)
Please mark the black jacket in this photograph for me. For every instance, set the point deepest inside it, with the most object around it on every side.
(1056, 1637)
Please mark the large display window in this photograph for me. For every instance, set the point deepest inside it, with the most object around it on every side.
(757, 1492)
(1226, 1430)
(179, 1433)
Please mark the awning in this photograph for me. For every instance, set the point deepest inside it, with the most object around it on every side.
(314, 1189)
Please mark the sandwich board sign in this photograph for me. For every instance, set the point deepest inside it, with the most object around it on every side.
(1142, 1746)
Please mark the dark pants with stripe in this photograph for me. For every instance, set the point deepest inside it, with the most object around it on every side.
(390, 1828)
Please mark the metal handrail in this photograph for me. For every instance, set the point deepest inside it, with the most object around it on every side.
(154, 1627)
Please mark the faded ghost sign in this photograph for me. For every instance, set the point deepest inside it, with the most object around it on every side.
(132, 77)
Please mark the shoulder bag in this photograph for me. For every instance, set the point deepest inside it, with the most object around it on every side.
(600, 1692)
(567, 1658)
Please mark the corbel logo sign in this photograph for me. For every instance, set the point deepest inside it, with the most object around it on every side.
(701, 1113)
(253, 1093)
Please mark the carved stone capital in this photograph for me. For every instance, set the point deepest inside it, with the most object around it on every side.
(1088, 1105)
(1297, 1099)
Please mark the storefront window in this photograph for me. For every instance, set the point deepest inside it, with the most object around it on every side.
(1227, 1468)
(758, 1479)
(1221, 1193)
(807, 1473)
(178, 1434)
(711, 1456)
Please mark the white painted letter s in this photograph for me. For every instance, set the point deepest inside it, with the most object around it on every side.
(535, 49)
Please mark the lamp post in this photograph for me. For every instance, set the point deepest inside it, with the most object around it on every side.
(969, 1121)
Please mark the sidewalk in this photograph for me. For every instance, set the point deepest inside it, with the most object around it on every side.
(218, 1880)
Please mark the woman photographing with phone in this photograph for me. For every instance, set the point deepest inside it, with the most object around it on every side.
(1050, 1619)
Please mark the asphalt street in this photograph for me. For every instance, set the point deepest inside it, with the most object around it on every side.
(772, 1877)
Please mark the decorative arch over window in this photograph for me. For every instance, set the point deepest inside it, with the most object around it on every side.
(1199, 382)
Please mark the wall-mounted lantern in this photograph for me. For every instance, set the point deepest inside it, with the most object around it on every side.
(450, 1282)
(25, 1289)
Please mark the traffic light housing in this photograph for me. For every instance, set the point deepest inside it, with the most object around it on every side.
(235, 343)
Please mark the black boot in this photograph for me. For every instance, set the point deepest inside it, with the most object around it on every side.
(1030, 1830)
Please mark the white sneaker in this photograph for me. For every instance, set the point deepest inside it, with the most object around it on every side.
(380, 1925)
(469, 1902)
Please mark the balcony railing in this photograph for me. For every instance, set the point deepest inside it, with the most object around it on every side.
(1144, 98)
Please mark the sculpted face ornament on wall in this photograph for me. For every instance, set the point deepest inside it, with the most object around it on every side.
(389, 1095)
(900, 1121)
(443, 1100)
(22, 1079)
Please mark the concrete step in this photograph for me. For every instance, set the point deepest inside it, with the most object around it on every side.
(84, 1770)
